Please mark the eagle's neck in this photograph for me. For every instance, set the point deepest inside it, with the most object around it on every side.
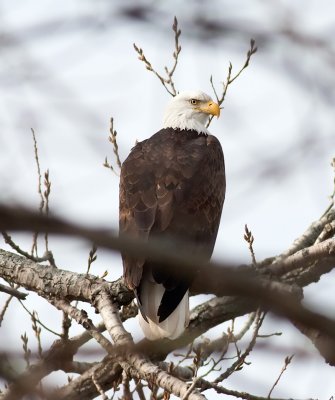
(184, 122)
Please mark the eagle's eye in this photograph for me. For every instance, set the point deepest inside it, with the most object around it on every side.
(194, 102)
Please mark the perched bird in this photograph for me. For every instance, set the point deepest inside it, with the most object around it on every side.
(172, 187)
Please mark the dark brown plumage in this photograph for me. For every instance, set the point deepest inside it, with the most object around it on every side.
(172, 187)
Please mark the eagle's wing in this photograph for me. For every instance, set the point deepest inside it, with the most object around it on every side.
(138, 206)
(171, 184)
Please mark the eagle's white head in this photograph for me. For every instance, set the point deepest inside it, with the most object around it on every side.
(190, 110)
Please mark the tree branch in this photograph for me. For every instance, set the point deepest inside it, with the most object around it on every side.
(304, 257)
(221, 279)
(137, 366)
(13, 292)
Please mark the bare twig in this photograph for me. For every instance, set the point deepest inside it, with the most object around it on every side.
(242, 357)
(112, 139)
(13, 292)
(5, 308)
(230, 79)
(39, 190)
(37, 330)
(46, 257)
(46, 194)
(186, 374)
(249, 238)
(332, 196)
(191, 388)
(91, 258)
(205, 385)
(287, 361)
(38, 320)
(44, 205)
(167, 81)
(106, 164)
(26, 350)
(206, 347)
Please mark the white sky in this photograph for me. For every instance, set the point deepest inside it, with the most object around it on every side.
(67, 81)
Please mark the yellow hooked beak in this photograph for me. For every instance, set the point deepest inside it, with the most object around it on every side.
(210, 108)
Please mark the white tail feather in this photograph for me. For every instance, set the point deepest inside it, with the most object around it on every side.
(173, 326)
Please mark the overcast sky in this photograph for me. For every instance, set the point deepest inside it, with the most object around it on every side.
(67, 67)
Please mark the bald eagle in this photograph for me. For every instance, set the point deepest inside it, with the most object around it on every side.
(172, 186)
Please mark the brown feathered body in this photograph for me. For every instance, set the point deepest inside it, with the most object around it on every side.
(172, 187)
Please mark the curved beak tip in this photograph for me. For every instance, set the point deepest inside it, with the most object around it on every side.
(215, 109)
(211, 108)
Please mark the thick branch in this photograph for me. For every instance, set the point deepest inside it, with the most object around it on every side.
(221, 280)
(154, 250)
(304, 257)
(56, 282)
(81, 317)
(135, 364)
(309, 237)
(107, 373)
